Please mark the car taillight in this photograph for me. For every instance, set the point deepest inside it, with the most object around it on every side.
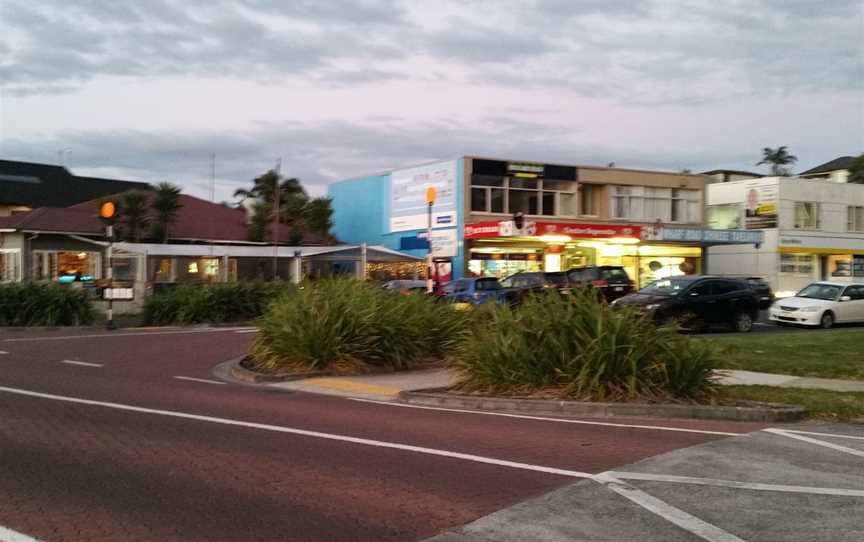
(599, 283)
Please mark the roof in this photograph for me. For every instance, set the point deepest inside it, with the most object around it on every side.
(838, 163)
(197, 220)
(374, 253)
(731, 172)
(45, 185)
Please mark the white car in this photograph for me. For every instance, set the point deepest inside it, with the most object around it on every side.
(821, 304)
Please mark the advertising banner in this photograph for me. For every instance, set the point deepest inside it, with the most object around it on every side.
(480, 230)
(761, 206)
(408, 207)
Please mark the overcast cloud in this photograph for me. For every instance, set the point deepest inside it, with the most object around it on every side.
(148, 90)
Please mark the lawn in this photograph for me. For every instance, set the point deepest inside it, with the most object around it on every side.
(836, 353)
(820, 404)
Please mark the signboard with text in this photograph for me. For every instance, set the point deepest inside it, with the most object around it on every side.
(480, 230)
(760, 210)
(408, 196)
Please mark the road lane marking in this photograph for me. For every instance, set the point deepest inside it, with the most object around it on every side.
(8, 535)
(119, 334)
(3, 352)
(823, 434)
(349, 385)
(558, 420)
(305, 433)
(82, 363)
(204, 380)
(817, 442)
(247, 331)
(682, 519)
(650, 477)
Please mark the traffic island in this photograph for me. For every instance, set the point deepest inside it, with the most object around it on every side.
(743, 411)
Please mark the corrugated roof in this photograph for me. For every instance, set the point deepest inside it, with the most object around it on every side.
(838, 163)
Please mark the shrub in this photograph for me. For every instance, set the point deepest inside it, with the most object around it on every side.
(218, 303)
(36, 304)
(347, 325)
(581, 348)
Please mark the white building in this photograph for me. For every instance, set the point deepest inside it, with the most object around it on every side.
(814, 230)
(836, 171)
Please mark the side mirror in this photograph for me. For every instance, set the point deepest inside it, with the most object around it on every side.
(845, 298)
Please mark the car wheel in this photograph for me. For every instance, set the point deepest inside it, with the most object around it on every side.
(827, 320)
(742, 323)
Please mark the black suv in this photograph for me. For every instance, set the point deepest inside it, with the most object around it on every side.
(523, 283)
(760, 286)
(611, 280)
(697, 302)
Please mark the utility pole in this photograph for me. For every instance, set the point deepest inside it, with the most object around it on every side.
(276, 197)
(431, 193)
(107, 211)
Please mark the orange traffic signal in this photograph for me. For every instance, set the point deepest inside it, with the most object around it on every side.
(107, 209)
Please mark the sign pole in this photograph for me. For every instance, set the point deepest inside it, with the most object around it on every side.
(109, 324)
(431, 193)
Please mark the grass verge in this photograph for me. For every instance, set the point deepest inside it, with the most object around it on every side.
(836, 353)
(836, 406)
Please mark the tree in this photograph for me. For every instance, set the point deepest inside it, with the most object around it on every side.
(856, 170)
(134, 215)
(259, 223)
(777, 158)
(166, 204)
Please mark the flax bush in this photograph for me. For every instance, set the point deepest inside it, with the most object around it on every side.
(37, 304)
(217, 303)
(345, 325)
(583, 349)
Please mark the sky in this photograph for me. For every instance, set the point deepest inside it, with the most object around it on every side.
(335, 89)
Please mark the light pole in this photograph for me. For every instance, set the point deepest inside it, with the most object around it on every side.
(107, 211)
(431, 193)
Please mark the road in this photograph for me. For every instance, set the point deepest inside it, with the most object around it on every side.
(129, 436)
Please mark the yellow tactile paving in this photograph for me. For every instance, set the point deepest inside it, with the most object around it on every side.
(349, 385)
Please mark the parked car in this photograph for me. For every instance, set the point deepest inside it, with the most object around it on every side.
(611, 280)
(821, 304)
(519, 285)
(697, 302)
(405, 287)
(760, 286)
(473, 290)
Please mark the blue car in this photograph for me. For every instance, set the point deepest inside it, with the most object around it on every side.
(474, 291)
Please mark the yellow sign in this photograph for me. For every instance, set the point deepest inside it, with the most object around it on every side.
(431, 194)
(106, 210)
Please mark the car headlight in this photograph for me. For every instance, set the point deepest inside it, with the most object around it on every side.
(809, 309)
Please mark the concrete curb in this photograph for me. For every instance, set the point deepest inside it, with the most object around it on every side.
(772, 412)
(240, 373)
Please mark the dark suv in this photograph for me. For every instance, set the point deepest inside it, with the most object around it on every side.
(760, 286)
(697, 302)
(519, 285)
(611, 280)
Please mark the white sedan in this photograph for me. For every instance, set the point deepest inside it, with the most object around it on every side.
(821, 304)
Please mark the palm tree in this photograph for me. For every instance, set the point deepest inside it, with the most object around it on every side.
(318, 216)
(777, 158)
(166, 204)
(133, 213)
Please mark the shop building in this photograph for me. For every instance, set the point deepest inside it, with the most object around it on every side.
(814, 230)
(649, 222)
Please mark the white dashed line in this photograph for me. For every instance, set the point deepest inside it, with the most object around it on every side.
(8, 535)
(204, 380)
(82, 363)
(558, 420)
(247, 331)
(817, 442)
(3, 352)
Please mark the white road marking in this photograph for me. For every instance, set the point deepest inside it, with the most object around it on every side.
(823, 434)
(204, 380)
(247, 331)
(3, 352)
(817, 442)
(8, 535)
(736, 485)
(82, 363)
(304, 432)
(120, 334)
(545, 419)
(682, 519)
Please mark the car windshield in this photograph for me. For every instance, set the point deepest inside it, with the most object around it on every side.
(613, 273)
(828, 292)
(488, 284)
(665, 287)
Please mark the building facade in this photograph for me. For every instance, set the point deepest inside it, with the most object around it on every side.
(814, 230)
(649, 222)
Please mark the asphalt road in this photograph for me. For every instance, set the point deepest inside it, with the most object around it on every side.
(128, 436)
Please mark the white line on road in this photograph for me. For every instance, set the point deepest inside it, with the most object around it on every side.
(304, 432)
(204, 380)
(559, 420)
(3, 352)
(650, 477)
(8, 535)
(82, 363)
(823, 434)
(817, 442)
(686, 521)
(247, 331)
(120, 334)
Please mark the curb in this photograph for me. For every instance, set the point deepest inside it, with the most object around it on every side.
(772, 412)
(238, 372)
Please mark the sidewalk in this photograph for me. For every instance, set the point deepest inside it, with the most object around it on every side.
(386, 387)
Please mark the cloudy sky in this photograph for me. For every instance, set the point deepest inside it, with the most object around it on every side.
(148, 89)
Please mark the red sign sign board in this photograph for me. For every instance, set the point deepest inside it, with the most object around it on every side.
(480, 230)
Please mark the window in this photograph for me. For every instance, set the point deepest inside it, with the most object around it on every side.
(799, 264)
(51, 265)
(806, 215)
(724, 217)
(588, 200)
(10, 265)
(621, 202)
(480, 199)
(508, 195)
(855, 292)
(700, 289)
(651, 203)
(724, 287)
(855, 218)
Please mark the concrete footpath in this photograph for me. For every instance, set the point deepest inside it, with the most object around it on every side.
(387, 386)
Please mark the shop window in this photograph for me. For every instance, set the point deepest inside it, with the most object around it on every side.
(160, 269)
(480, 199)
(588, 200)
(621, 202)
(10, 265)
(548, 204)
(496, 200)
(51, 265)
(806, 215)
(126, 269)
(799, 264)
(566, 204)
(524, 201)
(855, 218)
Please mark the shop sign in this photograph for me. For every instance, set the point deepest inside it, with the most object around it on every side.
(709, 236)
(761, 206)
(515, 256)
(481, 230)
(443, 243)
(408, 190)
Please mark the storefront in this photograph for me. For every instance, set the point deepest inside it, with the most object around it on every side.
(647, 253)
